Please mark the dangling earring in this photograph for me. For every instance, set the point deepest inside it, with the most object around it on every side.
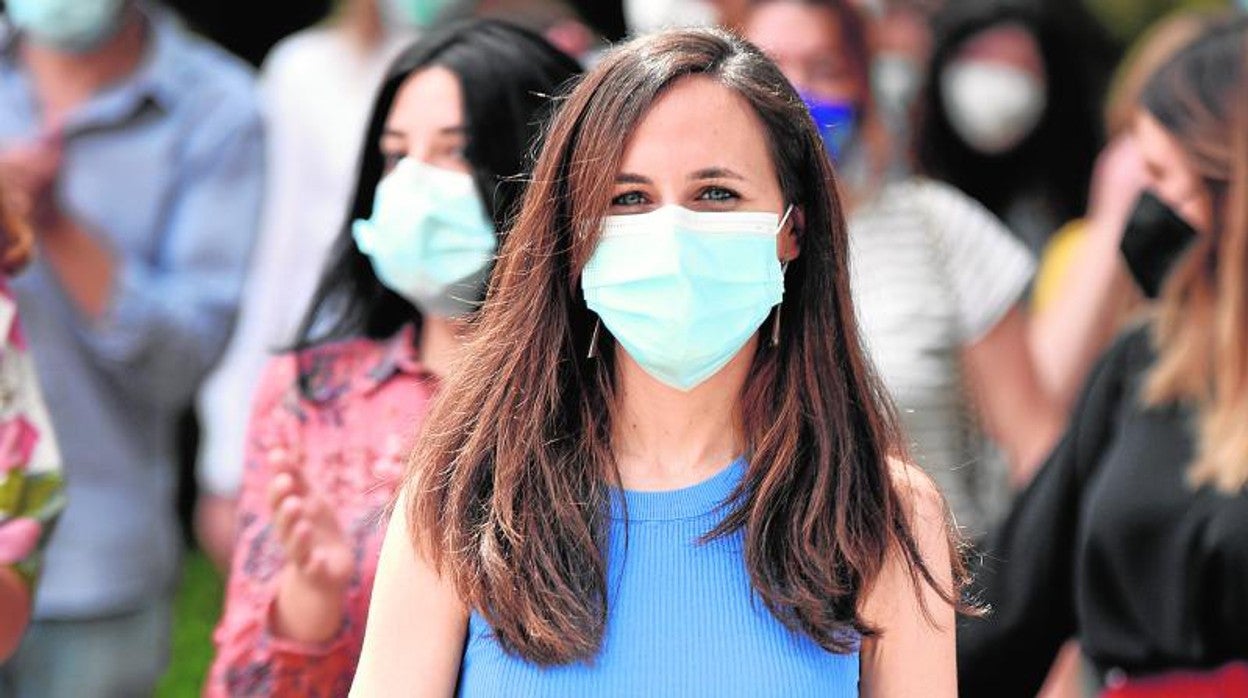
(593, 340)
(775, 322)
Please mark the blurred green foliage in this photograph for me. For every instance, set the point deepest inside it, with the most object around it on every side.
(195, 612)
(1127, 19)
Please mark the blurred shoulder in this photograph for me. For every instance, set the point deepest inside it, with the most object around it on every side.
(303, 49)
(203, 77)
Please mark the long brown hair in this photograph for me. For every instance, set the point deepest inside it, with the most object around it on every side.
(1201, 328)
(509, 484)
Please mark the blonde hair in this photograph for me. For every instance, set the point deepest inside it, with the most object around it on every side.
(1201, 326)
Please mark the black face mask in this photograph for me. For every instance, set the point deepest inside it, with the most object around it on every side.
(1155, 237)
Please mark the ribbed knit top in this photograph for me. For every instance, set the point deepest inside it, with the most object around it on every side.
(682, 619)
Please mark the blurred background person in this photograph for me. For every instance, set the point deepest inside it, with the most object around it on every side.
(939, 282)
(559, 22)
(1009, 114)
(316, 87)
(1083, 292)
(901, 46)
(31, 488)
(1131, 536)
(140, 149)
(1117, 178)
(442, 169)
(647, 16)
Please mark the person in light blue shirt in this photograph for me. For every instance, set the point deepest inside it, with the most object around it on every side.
(137, 149)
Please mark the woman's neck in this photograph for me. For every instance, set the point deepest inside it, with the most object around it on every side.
(665, 439)
(440, 342)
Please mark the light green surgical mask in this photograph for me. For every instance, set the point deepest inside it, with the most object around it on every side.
(73, 26)
(429, 238)
(682, 291)
(414, 13)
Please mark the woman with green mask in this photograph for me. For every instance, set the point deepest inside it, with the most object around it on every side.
(332, 70)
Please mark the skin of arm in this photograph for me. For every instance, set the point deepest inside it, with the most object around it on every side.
(417, 625)
(1095, 293)
(82, 263)
(1018, 412)
(915, 653)
(14, 611)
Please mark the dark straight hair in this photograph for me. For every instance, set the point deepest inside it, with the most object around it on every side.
(507, 76)
(508, 485)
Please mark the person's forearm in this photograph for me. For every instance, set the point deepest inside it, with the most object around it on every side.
(82, 264)
(14, 611)
(306, 613)
(1067, 337)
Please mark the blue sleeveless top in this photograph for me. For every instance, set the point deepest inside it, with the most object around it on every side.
(682, 618)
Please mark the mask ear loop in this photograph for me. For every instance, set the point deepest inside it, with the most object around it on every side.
(784, 267)
(593, 340)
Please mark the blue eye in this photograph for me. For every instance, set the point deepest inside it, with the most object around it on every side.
(630, 198)
(717, 194)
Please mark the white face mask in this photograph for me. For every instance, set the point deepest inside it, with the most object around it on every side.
(645, 16)
(896, 80)
(992, 107)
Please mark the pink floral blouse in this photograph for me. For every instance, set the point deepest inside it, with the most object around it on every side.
(32, 493)
(369, 399)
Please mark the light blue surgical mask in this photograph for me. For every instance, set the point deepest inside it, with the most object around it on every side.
(73, 26)
(429, 238)
(683, 291)
(413, 13)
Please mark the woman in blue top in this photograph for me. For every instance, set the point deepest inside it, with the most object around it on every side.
(664, 466)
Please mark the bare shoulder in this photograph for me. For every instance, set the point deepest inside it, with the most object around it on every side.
(914, 651)
(925, 505)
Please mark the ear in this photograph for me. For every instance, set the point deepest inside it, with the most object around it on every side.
(789, 240)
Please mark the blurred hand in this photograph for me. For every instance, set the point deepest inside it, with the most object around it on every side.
(29, 171)
(318, 552)
(1117, 181)
(17, 240)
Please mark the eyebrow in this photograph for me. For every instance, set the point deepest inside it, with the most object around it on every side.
(630, 178)
(715, 173)
(444, 131)
(705, 173)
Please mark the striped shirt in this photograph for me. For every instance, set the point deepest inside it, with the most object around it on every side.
(932, 272)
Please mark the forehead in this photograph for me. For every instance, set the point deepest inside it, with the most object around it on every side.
(1010, 43)
(430, 97)
(1156, 144)
(698, 123)
(794, 29)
